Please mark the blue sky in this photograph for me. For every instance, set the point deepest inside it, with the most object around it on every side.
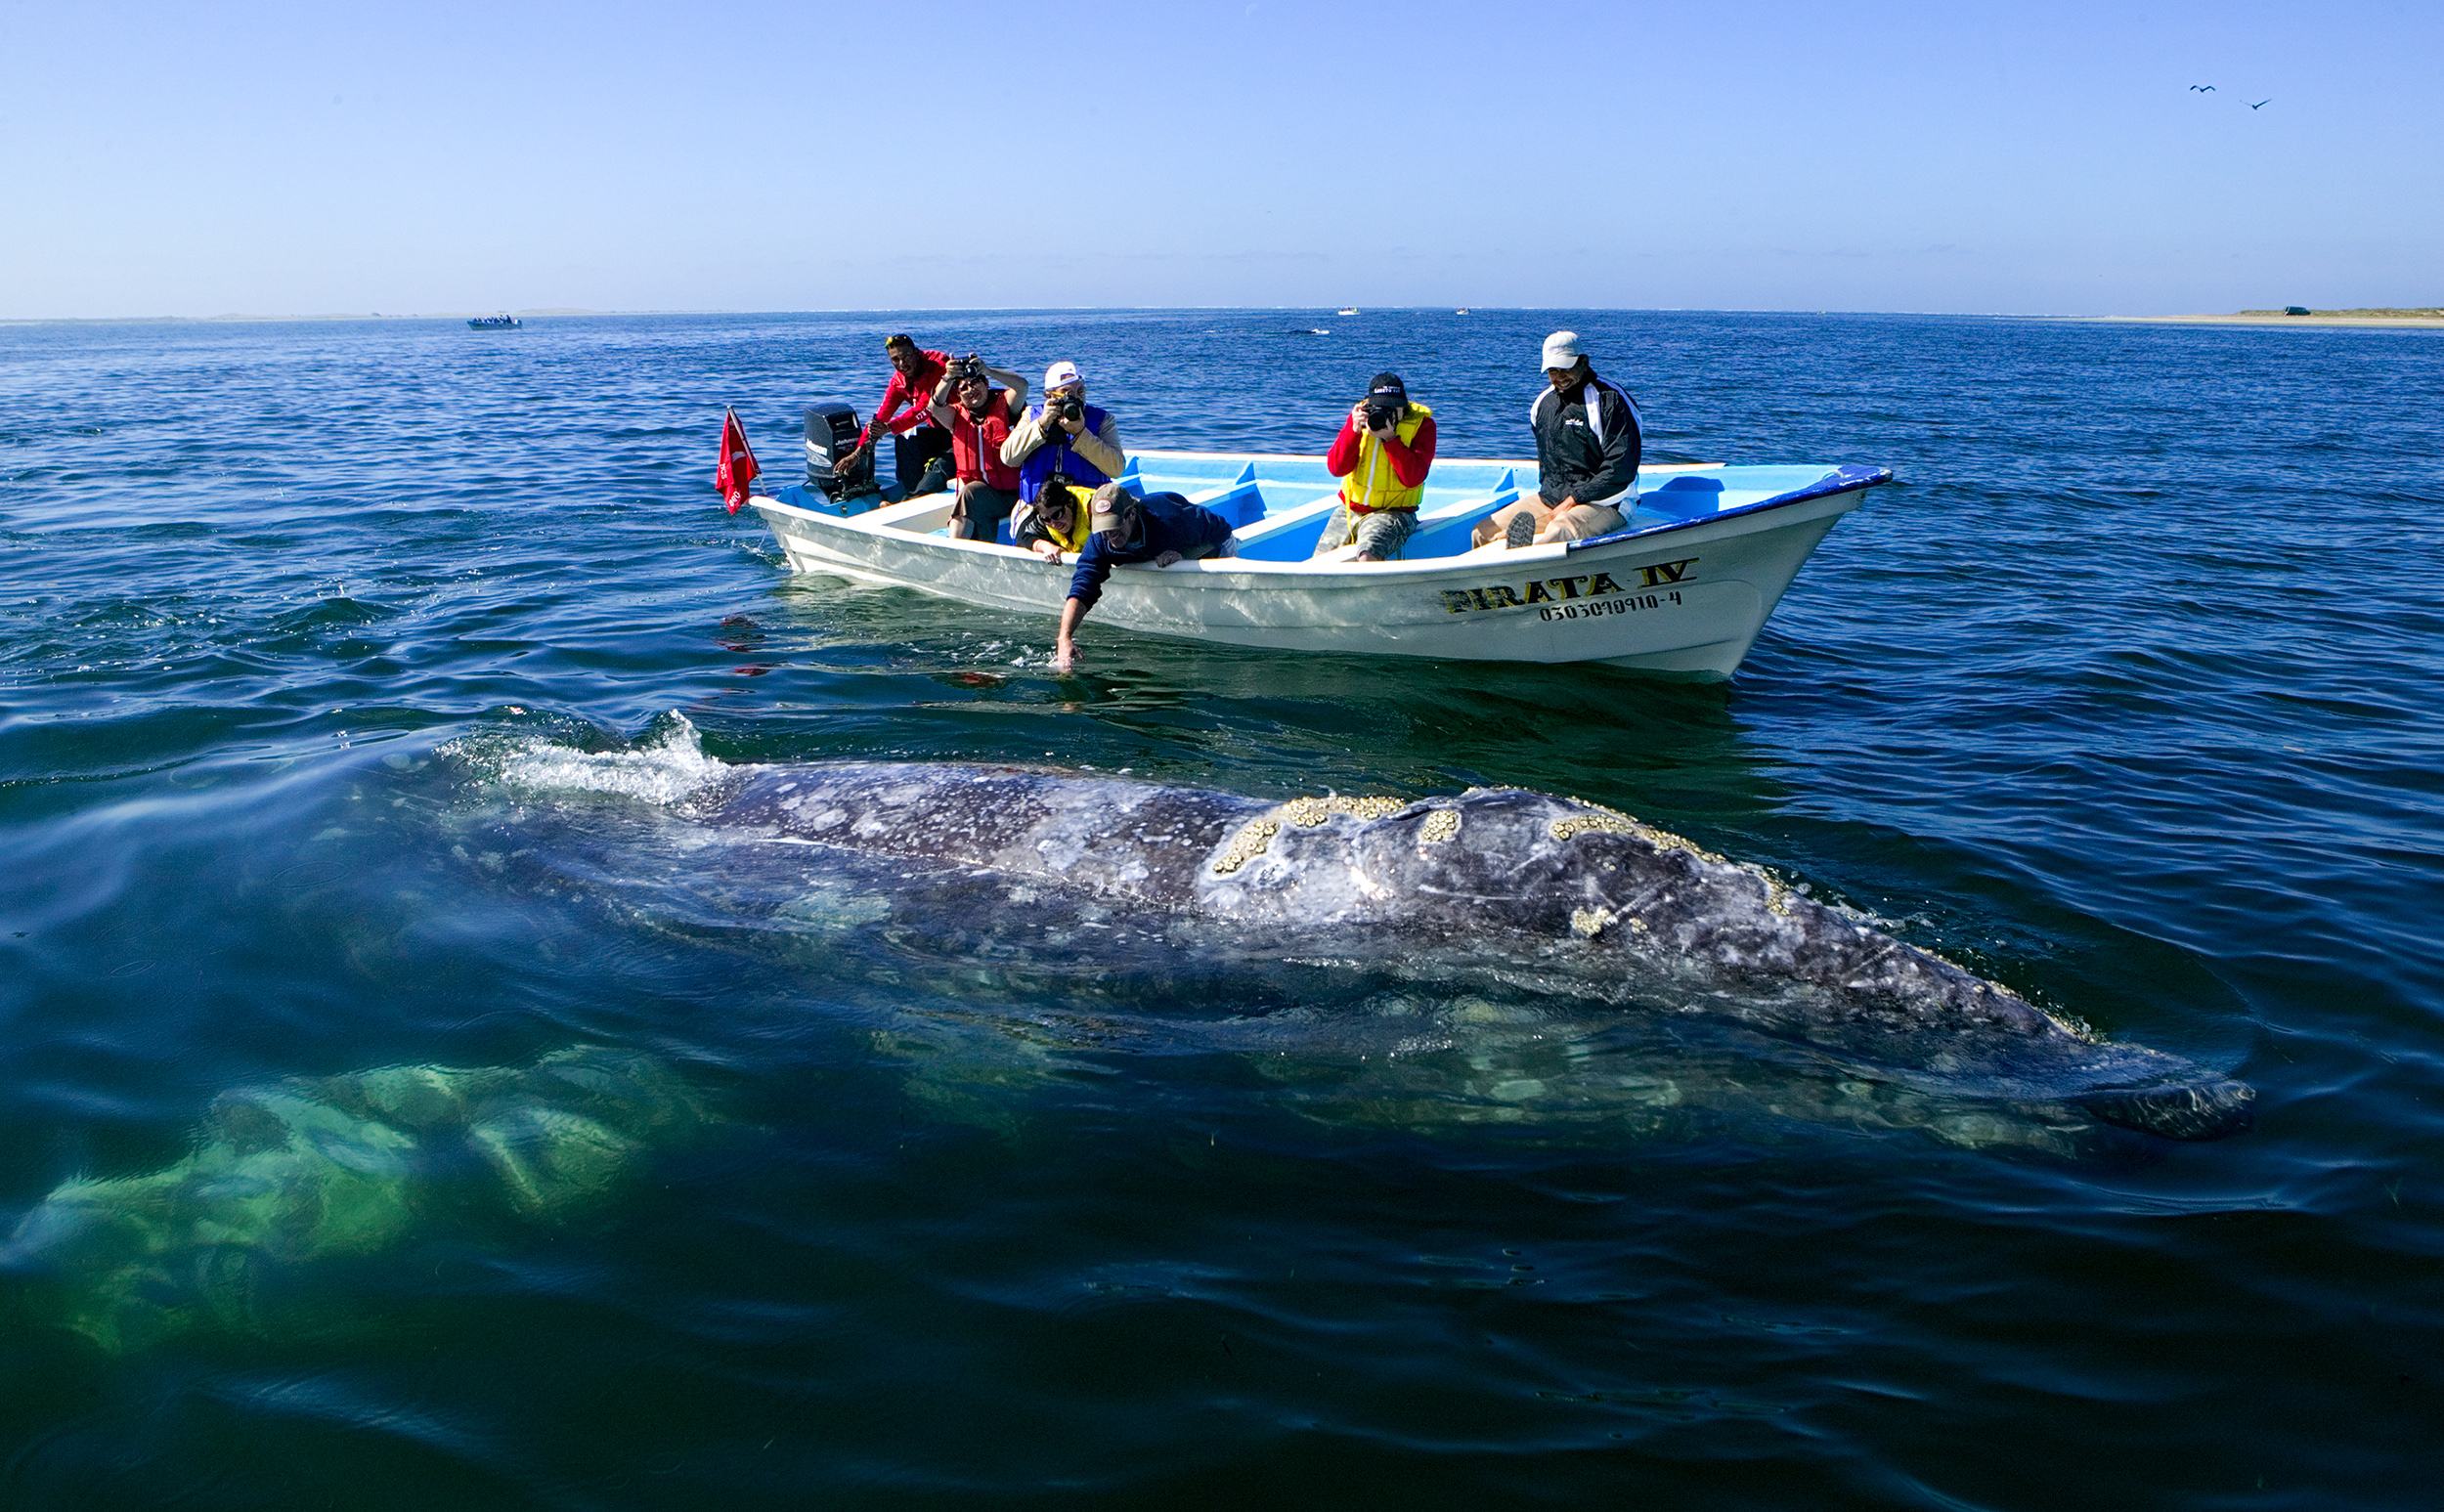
(183, 160)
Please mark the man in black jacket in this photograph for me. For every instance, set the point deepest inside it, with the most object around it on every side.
(1587, 446)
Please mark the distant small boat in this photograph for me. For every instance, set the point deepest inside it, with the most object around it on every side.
(1463, 309)
(1346, 312)
(493, 323)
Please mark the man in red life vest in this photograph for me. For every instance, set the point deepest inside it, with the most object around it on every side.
(1381, 454)
(920, 452)
(978, 417)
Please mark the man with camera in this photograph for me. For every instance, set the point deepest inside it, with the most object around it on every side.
(978, 417)
(1065, 438)
(1382, 453)
(920, 449)
(1587, 446)
(1160, 528)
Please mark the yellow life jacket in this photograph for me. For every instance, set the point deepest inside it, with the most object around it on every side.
(1371, 484)
(1074, 538)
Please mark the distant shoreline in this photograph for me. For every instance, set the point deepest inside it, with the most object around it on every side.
(2414, 319)
(300, 319)
(2406, 318)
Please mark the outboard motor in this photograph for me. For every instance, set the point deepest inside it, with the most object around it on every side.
(831, 430)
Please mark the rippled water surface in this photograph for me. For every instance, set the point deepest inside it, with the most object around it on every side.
(352, 677)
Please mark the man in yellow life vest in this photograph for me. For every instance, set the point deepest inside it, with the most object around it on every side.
(1382, 456)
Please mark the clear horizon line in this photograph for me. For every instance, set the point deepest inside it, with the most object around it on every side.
(581, 313)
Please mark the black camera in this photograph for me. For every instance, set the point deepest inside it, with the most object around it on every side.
(1382, 414)
(1066, 409)
(963, 369)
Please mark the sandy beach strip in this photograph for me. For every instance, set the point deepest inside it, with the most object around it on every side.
(2264, 318)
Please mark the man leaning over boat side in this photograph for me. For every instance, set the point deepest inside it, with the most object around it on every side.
(1587, 446)
(1065, 437)
(920, 449)
(1386, 446)
(1056, 522)
(978, 417)
(1160, 528)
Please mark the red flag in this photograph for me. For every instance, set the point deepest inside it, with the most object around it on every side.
(738, 464)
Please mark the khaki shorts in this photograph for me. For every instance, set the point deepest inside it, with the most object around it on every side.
(1578, 522)
(1380, 534)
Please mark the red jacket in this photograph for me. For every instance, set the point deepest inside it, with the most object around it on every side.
(1409, 462)
(976, 445)
(914, 390)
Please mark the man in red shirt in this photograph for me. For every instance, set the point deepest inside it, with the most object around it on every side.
(978, 417)
(1382, 456)
(920, 451)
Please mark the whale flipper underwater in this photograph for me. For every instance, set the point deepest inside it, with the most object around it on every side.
(1493, 885)
(313, 1172)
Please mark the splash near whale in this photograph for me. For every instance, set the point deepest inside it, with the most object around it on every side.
(313, 1171)
(1501, 889)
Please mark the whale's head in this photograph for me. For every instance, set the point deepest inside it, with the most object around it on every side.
(93, 1259)
(76, 1230)
(2203, 1106)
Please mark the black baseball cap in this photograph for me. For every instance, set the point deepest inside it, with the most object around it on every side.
(1387, 386)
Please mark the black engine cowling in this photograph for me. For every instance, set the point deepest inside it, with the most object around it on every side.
(831, 431)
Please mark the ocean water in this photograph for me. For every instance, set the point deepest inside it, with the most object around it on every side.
(351, 675)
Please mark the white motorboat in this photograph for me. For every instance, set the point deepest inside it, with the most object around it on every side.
(1680, 592)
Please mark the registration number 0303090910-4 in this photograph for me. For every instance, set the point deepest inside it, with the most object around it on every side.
(1627, 603)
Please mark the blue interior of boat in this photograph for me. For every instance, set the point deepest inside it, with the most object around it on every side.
(1279, 504)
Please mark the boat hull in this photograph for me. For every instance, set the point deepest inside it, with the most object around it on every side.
(1683, 600)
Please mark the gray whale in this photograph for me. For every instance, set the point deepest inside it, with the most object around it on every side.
(1582, 899)
(303, 1176)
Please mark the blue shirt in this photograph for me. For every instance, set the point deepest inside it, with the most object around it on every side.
(1169, 523)
(1055, 455)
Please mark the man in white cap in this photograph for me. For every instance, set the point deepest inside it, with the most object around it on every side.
(1160, 529)
(1587, 446)
(1065, 437)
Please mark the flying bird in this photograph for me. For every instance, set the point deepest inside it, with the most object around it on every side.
(2202, 89)
(2269, 99)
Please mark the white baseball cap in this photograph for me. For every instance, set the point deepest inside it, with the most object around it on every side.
(1562, 349)
(1061, 375)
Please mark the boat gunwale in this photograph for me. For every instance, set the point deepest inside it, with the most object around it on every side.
(1843, 478)
(1840, 479)
(1512, 462)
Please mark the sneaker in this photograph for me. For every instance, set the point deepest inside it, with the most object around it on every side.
(1521, 531)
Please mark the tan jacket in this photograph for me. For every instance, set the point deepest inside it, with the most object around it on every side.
(1098, 446)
